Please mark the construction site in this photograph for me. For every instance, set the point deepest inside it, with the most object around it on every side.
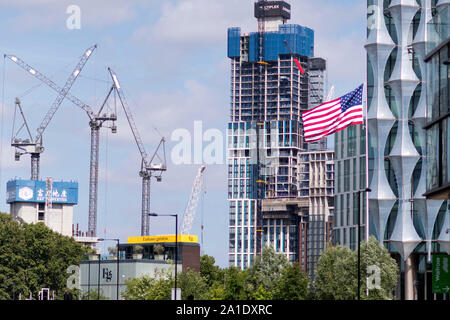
(283, 198)
(53, 202)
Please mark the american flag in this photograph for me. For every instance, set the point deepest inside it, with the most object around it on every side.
(333, 116)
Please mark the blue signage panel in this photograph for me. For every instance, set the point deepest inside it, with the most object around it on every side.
(36, 191)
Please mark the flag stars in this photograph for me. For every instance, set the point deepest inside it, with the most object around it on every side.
(351, 99)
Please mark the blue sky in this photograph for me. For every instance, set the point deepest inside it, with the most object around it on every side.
(170, 57)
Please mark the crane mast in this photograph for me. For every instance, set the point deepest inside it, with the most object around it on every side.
(148, 167)
(189, 213)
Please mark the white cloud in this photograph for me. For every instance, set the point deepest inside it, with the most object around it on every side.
(45, 14)
(190, 23)
(339, 36)
(200, 25)
(170, 110)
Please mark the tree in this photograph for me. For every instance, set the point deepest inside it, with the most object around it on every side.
(378, 257)
(216, 291)
(335, 275)
(293, 284)
(337, 268)
(150, 288)
(209, 271)
(235, 284)
(266, 270)
(12, 259)
(32, 256)
(262, 294)
(192, 284)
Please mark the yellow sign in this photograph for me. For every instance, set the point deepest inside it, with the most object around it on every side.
(163, 238)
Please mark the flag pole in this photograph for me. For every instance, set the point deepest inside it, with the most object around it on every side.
(366, 127)
(367, 171)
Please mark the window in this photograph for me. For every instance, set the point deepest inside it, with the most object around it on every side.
(362, 139)
(438, 99)
(347, 206)
(351, 141)
(346, 175)
(447, 137)
(362, 178)
(356, 207)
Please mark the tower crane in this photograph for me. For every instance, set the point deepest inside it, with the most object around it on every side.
(189, 213)
(96, 121)
(330, 94)
(35, 146)
(148, 167)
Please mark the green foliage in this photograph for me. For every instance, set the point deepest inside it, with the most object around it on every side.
(235, 284)
(293, 284)
(192, 284)
(261, 294)
(336, 276)
(266, 270)
(216, 292)
(93, 295)
(337, 269)
(272, 277)
(372, 253)
(149, 288)
(32, 256)
(209, 271)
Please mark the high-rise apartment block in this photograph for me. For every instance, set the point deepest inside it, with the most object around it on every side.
(266, 150)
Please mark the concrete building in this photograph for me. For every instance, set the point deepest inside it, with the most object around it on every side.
(394, 168)
(268, 94)
(50, 202)
(138, 257)
(317, 72)
(316, 177)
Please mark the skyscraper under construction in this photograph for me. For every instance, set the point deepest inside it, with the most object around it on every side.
(275, 76)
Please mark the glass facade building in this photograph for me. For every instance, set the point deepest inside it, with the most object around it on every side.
(438, 102)
(396, 163)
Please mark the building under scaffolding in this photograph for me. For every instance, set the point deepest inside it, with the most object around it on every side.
(274, 77)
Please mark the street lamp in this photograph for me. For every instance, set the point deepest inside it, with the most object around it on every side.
(176, 242)
(359, 239)
(117, 289)
(98, 278)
